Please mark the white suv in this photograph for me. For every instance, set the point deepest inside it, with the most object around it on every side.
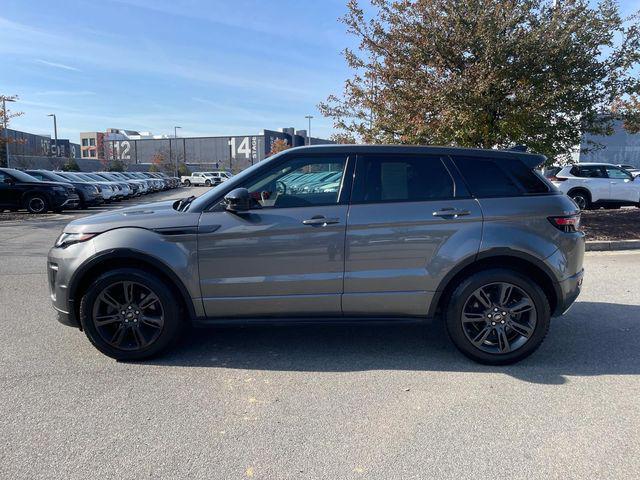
(598, 185)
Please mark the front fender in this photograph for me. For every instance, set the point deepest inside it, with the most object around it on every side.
(174, 253)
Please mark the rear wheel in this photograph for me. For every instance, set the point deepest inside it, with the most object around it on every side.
(497, 317)
(36, 203)
(130, 314)
(581, 198)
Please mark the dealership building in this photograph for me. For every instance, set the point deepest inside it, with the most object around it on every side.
(233, 153)
(621, 147)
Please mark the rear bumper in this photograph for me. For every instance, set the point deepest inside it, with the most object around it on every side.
(569, 291)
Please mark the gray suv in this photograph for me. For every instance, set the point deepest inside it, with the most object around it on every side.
(333, 232)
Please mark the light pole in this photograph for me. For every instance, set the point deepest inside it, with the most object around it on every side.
(55, 134)
(309, 117)
(175, 135)
(6, 126)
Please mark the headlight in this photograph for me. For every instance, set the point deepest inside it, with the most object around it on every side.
(66, 239)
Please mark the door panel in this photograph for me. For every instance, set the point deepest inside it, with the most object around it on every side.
(397, 254)
(622, 185)
(268, 262)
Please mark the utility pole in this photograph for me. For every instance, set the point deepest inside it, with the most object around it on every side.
(55, 134)
(309, 117)
(175, 135)
(6, 126)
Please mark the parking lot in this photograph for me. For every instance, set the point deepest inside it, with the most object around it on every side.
(374, 401)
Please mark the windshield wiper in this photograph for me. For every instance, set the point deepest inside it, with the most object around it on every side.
(182, 204)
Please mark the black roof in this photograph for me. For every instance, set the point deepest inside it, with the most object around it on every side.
(532, 160)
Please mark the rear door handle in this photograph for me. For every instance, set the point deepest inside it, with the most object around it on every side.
(451, 213)
(320, 220)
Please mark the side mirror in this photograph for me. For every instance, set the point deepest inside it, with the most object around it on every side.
(238, 200)
(9, 181)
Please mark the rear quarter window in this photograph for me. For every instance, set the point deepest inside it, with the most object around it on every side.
(485, 178)
(530, 180)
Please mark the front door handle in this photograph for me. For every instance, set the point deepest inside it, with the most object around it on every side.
(451, 213)
(320, 220)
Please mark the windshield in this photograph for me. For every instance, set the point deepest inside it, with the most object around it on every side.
(96, 177)
(21, 176)
(203, 201)
(54, 177)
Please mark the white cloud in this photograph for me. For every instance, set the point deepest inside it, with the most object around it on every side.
(57, 65)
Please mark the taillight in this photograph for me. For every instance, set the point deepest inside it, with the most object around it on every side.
(557, 179)
(567, 224)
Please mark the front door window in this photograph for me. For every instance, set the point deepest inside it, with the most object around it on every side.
(301, 182)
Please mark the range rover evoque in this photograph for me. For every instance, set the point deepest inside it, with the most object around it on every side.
(333, 232)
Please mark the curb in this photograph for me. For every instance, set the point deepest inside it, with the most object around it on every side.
(613, 245)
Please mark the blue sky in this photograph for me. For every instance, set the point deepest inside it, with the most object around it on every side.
(212, 67)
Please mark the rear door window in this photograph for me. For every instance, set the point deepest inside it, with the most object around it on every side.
(485, 178)
(401, 178)
(591, 171)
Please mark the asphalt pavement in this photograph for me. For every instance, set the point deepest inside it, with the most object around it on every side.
(318, 402)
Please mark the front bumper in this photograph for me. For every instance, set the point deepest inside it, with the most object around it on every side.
(71, 201)
(61, 265)
(569, 291)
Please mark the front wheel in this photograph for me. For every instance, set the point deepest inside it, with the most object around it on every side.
(37, 204)
(207, 183)
(187, 183)
(130, 314)
(497, 317)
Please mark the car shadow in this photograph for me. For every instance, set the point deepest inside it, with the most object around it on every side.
(592, 339)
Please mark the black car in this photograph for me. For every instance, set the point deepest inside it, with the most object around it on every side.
(89, 193)
(20, 190)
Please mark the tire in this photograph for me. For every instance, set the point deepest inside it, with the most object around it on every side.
(581, 198)
(207, 183)
(187, 183)
(477, 325)
(36, 203)
(132, 336)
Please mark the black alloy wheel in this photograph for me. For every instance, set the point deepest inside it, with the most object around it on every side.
(130, 314)
(497, 316)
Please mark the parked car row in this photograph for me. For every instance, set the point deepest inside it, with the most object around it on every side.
(41, 191)
(593, 185)
(206, 179)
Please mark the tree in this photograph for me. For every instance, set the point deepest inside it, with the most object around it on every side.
(116, 165)
(71, 165)
(183, 169)
(9, 115)
(486, 73)
(629, 110)
(342, 138)
(279, 145)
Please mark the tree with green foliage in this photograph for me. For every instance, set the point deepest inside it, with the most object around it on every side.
(487, 73)
(71, 166)
(116, 166)
(183, 169)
